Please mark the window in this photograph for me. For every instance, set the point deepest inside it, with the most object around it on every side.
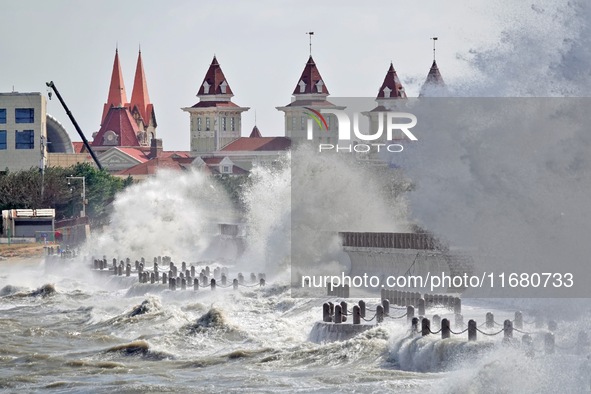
(199, 124)
(2, 115)
(303, 123)
(293, 122)
(24, 115)
(232, 124)
(2, 139)
(224, 123)
(226, 169)
(327, 117)
(25, 139)
(207, 124)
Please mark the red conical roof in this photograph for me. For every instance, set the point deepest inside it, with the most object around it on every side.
(139, 95)
(117, 96)
(434, 84)
(122, 124)
(214, 81)
(255, 133)
(391, 88)
(309, 81)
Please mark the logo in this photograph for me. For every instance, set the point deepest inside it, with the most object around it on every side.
(388, 121)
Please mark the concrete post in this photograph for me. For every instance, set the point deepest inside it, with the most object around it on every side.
(224, 279)
(414, 324)
(457, 305)
(152, 278)
(120, 270)
(164, 278)
(326, 313)
(207, 272)
(331, 308)
(128, 270)
(262, 282)
(338, 317)
(183, 266)
(356, 315)
(192, 271)
(472, 332)
(508, 329)
(490, 320)
(212, 283)
(188, 274)
(445, 330)
(235, 284)
(386, 305)
(436, 321)
(344, 308)
(379, 314)
(253, 277)
(421, 305)
(410, 313)
(183, 284)
(195, 284)
(425, 327)
(173, 284)
(549, 343)
(518, 321)
(240, 278)
(362, 308)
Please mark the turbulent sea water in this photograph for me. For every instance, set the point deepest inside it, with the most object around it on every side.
(70, 331)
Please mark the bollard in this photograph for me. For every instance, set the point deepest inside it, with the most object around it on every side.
(331, 308)
(518, 321)
(152, 278)
(445, 330)
(192, 271)
(528, 345)
(356, 315)
(414, 325)
(344, 308)
(183, 284)
(207, 272)
(457, 305)
(128, 270)
(326, 313)
(188, 274)
(240, 278)
(262, 282)
(459, 321)
(183, 266)
(338, 317)
(472, 330)
(235, 284)
(436, 321)
(253, 277)
(212, 284)
(173, 284)
(155, 267)
(224, 279)
(410, 313)
(549, 343)
(552, 325)
(508, 329)
(386, 305)
(164, 278)
(120, 270)
(195, 284)
(362, 308)
(421, 305)
(490, 320)
(425, 327)
(137, 265)
(379, 314)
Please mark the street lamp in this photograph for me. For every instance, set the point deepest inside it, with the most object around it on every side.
(83, 213)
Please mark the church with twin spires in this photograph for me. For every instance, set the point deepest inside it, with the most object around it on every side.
(127, 142)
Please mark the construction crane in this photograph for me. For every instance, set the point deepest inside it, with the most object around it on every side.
(69, 113)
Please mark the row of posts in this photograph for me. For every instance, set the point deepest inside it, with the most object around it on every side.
(405, 298)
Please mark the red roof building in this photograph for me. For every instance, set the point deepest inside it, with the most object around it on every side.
(141, 108)
(434, 85)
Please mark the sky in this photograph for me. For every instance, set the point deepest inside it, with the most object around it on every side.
(261, 46)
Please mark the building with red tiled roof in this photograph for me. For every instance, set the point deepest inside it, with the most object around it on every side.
(310, 94)
(150, 167)
(215, 119)
(434, 85)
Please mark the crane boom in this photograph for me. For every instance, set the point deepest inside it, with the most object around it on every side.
(69, 113)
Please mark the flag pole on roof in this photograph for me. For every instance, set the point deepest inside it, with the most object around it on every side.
(434, 39)
(310, 33)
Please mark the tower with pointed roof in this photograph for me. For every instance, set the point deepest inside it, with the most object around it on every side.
(215, 119)
(434, 85)
(310, 93)
(140, 106)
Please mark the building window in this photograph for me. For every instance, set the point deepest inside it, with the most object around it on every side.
(327, 117)
(199, 124)
(226, 169)
(2, 139)
(293, 122)
(207, 124)
(2, 115)
(224, 123)
(24, 115)
(232, 124)
(25, 139)
(303, 123)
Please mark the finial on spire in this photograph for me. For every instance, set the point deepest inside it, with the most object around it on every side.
(140, 48)
(434, 39)
(310, 34)
(255, 117)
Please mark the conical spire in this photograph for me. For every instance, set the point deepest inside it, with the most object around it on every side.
(434, 84)
(391, 87)
(310, 82)
(255, 133)
(117, 96)
(139, 96)
(215, 82)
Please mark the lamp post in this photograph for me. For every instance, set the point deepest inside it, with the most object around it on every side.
(83, 213)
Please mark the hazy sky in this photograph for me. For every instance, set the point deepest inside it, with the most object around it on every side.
(261, 46)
